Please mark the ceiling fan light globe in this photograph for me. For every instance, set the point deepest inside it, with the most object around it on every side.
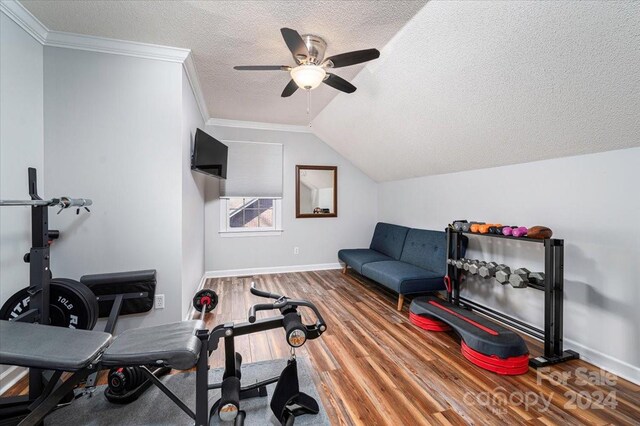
(308, 77)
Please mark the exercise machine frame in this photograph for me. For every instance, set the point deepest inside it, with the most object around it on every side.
(39, 283)
(210, 341)
(553, 288)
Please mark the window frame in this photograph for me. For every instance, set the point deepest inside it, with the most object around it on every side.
(227, 231)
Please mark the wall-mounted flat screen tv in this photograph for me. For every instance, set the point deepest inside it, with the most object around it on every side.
(209, 155)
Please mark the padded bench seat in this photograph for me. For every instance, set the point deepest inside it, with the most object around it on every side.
(169, 345)
(97, 280)
(357, 258)
(48, 347)
(402, 277)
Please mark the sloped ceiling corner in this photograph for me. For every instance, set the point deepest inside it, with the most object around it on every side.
(470, 85)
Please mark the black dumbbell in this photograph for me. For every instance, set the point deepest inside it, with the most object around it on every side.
(468, 263)
(519, 278)
(488, 270)
(502, 275)
(536, 278)
(473, 269)
(459, 225)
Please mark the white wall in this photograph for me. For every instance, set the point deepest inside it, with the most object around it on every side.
(591, 201)
(113, 133)
(21, 146)
(192, 201)
(319, 239)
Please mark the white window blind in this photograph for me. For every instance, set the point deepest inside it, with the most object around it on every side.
(254, 169)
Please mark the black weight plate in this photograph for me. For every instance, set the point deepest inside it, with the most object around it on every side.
(71, 304)
(205, 293)
(90, 300)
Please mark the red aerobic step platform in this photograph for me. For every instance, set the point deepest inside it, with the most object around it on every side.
(484, 343)
(428, 323)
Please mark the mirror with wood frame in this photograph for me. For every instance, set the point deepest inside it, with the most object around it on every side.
(316, 191)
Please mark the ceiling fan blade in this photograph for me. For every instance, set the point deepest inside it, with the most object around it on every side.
(262, 68)
(290, 89)
(339, 83)
(295, 44)
(352, 58)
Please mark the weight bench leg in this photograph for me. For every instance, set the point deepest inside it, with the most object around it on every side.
(39, 412)
(400, 301)
(165, 390)
(202, 380)
(51, 385)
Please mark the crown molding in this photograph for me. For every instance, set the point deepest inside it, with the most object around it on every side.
(223, 122)
(117, 47)
(192, 75)
(21, 16)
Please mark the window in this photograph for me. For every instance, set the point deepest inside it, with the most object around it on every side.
(250, 216)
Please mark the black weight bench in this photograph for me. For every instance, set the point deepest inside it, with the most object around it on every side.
(82, 353)
(484, 343)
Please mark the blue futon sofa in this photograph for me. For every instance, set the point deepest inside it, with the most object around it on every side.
(405, 260)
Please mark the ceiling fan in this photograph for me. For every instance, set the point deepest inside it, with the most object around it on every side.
(311, 70)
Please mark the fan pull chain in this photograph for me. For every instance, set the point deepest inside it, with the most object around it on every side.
(309, 106)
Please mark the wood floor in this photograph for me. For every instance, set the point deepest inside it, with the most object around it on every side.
(373, 367)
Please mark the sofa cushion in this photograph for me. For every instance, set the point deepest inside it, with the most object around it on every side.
(426, 249)
(388, 239)
(358, 257)
(403, 277)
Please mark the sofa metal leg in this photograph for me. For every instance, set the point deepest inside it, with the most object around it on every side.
(344, 270)
(400, 301)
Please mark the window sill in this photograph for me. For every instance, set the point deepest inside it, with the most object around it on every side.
(232, 234)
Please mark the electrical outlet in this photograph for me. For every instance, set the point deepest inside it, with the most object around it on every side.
(296, 250)
(159, 301)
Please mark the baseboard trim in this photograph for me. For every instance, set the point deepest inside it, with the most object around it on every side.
(10, 377)
(611, 364)
(271, 270)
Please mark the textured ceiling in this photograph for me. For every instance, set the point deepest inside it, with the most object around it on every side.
(469, 85)
(222, 34)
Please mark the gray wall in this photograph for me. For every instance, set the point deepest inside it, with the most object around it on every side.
(192, 201)
(319, 239)
(21, 146)
(591, 201)
(113, 131)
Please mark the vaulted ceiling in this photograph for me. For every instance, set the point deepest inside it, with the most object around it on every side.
(459, 85)
(222, 34)
(470, 85)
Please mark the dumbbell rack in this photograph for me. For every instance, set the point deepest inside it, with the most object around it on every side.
(553, 289)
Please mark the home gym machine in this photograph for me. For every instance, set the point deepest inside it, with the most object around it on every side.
(287, 401)
(37, 308)
(182, 345)
(68, 303)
